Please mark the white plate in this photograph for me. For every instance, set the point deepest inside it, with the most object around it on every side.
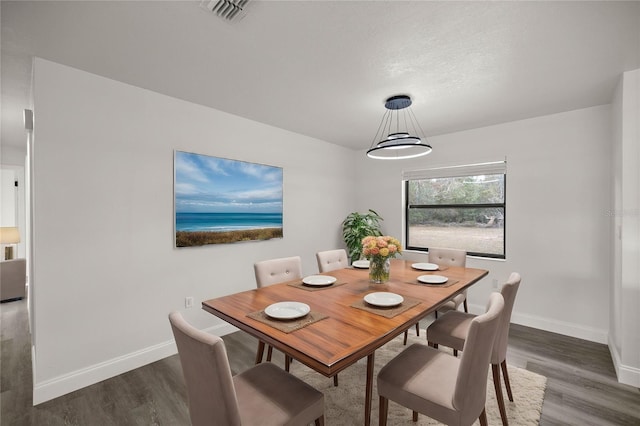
(319, 280)
(361, 264)
(432, 279)
(425, 266)
(287, 310)
(383, 298)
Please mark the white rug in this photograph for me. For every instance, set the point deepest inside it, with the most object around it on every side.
(344, 405)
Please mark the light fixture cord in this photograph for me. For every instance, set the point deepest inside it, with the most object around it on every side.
(385, 117)
(414, 119)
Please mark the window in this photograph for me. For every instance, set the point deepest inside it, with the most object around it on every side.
(460, 207)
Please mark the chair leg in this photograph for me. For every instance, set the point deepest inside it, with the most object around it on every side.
(269, 353)
(406, 334)
(505, 374)
(496, 384)
(335, 380)
(483, 418)
(417, 329)
(466, 308)
(320, 421)
(414, 417)
(383, 410)
(260, 352)
(287, 363)
(436, 314)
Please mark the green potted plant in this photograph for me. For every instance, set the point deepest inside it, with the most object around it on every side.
(355, 227)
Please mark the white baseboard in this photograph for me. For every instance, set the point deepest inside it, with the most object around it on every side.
(626, 374)
(554, 326)
(61, 385)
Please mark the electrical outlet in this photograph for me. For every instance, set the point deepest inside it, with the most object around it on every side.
(495, 283)
(188, 302)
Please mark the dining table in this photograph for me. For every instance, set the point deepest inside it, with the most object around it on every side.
(342, 327)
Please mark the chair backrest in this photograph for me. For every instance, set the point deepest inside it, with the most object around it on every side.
(448, 257)
(277, 270)
(509, 290)
(332, 259)
(205, 366)
(471, 384)
(13, 278)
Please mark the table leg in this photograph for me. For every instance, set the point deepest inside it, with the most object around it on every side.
(368, 390)
(260, 352)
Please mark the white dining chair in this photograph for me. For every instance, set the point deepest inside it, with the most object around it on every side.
(450, 257)
(448, 389)
(331, 260)
(275, 271)
(452, 327)
(446, 257)
(263, 394)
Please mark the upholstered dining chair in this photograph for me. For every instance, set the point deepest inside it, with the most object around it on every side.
(448, 389)
(275, 271)
(261, 395)
(450, 257)
(332, 259)
(446, 257)
(452, 327)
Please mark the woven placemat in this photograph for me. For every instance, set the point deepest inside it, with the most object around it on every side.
(408, 303)
(303, 286)
(444, 285)
(288, 326)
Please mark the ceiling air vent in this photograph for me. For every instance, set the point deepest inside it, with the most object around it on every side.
(229, 10)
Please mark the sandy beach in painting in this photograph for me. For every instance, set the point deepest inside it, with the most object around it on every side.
(198, 238)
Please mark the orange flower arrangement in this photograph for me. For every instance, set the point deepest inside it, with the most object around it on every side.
(379, 250)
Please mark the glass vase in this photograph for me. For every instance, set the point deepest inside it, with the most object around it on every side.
(379, 269)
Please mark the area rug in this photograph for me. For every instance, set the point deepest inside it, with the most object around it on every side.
(344, 405)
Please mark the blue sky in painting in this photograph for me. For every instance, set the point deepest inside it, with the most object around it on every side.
(205, 184)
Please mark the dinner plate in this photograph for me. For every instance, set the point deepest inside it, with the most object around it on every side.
(432, 279)
(383, 298)
(361, 264)
(287, 310)
(319, 280)
(425, 266)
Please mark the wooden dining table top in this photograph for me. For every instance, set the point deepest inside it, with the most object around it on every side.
(348, 334)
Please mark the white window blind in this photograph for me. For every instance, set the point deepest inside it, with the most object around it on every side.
(489, 168)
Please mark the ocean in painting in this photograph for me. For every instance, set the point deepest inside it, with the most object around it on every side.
(222, 222)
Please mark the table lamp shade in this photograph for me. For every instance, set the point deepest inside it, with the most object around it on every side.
(9, 235)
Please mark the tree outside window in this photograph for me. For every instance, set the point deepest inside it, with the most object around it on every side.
(461, 212)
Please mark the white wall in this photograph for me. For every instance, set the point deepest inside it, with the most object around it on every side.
(12, 210)
(8, 197)
(557, 231)
(624, 340)
(106, 273)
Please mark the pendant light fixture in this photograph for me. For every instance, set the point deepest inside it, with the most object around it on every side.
(393, 140)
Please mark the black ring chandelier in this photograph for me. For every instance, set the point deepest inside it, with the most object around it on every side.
(398, 144)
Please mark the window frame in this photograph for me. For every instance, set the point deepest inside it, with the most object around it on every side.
(503, 205)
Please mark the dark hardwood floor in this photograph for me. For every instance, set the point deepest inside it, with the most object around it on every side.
(581, 388)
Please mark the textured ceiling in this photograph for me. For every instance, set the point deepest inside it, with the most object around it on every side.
(324, 69)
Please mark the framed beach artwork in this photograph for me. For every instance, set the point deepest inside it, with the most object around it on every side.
(219, 201)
